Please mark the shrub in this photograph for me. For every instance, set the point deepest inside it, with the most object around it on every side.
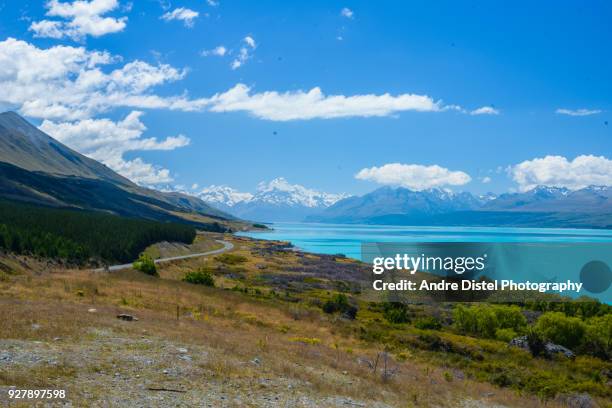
(313, 341)
(598, 337)
(536, 342)
(432, 323)
(231, 259)
(485, 320)
(505, 334)
(146, 265)
(339, 303)
(200, 277)
(396, 312)
(561, 329)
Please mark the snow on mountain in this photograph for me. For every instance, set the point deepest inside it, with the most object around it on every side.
(224, 195)
(277, 200)
(277, 192)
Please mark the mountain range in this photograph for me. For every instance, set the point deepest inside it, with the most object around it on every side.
(542, 206)
(38, 169)
(277, 200)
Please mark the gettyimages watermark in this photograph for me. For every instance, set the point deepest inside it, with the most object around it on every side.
(489, 272)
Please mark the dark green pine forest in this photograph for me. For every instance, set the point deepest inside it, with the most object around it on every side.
(81, 237)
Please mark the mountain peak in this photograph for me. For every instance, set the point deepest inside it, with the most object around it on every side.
(275, 200)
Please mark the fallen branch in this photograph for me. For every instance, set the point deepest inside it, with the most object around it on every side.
(164, 389)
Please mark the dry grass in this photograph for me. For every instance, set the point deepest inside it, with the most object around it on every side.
(233, 327)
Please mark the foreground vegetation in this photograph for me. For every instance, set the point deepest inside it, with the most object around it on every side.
(300, 322)
(80, 236)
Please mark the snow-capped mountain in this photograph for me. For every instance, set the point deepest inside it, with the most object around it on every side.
(389, 201)
(543, 206)
(277, 200)
(224, 195)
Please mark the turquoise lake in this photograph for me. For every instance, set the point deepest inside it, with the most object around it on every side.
(346, 239)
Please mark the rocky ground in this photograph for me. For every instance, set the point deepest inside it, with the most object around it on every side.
(112, 370)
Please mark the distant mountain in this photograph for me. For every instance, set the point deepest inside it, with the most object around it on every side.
(277, 200)
(590, 207)
(542, 198)
(38, 169)
(387, 202)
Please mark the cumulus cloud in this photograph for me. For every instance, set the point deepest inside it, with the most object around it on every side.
(314, 104)
(577, 112)
(73, 83)
(218, 51)
(187, 16)
(558, 171)
(413, 176)
(64, 82)
(107, 141)
(212, 3)
(347, 12)
(80, 18)
(245, 52)
(485, 180)
(485, 110)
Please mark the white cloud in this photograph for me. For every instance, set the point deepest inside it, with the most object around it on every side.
(218, 51)
(83, 18)
(187, 16)
(314, 104)
(485, 180)
(347, 12)
(577, 112)
(71, 83)
(485, 110)
(557, 171)
(107, 141)
(244, 54)
(212, 3)
(250, 41)
(64, 82)
(413, 176)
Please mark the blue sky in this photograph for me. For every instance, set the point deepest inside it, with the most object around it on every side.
(536, 65)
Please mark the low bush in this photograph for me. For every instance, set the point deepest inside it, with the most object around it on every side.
(505, 334)
(598, 337)
(431, 323)
(200, 277)
(561, 329)
(396, 312)
(145, 264)
(485, 320)
(339, 303)
(231, 259)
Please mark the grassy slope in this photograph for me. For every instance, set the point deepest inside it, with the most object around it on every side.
(303, 357)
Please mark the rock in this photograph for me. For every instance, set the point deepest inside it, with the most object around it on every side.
(552, 348)
(583, 400)
(35, 326)
(549, 348)
(256, 361)
(520, 342)
(126, 317)
(458, 374)
(92, 310)
(182, 350)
